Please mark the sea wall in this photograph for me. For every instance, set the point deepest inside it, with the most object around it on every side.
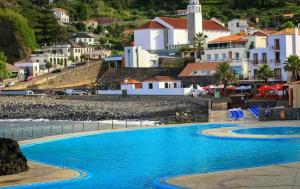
(82, 110)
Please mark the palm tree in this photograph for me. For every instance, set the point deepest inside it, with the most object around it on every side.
(292, 64)
(199, 43)
(224, 75)
(265, 72)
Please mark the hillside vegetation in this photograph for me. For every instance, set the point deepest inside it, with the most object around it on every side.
(17, 39)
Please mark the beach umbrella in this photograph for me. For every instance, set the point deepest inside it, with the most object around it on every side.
(277, 87)
(242, 88)
(231, 87)
(264, 88)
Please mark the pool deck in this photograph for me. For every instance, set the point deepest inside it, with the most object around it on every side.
(278, 176)
(285, 176)
(38, 173)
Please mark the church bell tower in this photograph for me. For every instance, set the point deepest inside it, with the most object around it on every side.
(194, 20)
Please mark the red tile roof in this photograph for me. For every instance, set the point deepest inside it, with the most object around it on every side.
(178, 23)
(286, 31)
(181, 23)
(151, 25)
(201, 66)
(212, 25)
(131, 81)
(59, 9)
(240, 37)
(160, 79)
(260, 33)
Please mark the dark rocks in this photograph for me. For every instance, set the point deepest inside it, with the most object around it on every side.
(12, 160)
(79, 110)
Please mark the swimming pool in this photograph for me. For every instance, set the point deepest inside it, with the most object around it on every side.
(135, 159)
(269, 131)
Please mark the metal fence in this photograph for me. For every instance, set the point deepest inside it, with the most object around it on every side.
(21, 134)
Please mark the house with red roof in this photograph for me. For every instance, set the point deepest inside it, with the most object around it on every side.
(157, 85)
(280, 45)
(164, 33)
(235, 50)
(61, 15)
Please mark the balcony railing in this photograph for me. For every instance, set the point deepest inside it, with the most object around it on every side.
(226, 47)
(239, 60)
(270, 61)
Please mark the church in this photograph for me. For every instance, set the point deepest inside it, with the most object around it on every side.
(163, 33)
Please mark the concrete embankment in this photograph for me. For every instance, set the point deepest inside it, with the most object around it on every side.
(80, 110)
(72, 77)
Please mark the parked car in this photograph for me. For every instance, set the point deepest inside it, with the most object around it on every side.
(29, 78)
(59, 93)
(56, 71)
(76, 92)
(71, 66)
(2, 86)
(10, 83)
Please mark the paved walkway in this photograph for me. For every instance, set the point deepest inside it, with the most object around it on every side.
(286, 176)
(38, 173)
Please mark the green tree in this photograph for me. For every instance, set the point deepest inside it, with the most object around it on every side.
(4, 74)
(199, 43)
(60, 62)
(288, 24)
(48, 65)
(292, 65)
(224, 75)
(265, 72)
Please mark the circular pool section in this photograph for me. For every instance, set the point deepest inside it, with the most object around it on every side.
(269, 131)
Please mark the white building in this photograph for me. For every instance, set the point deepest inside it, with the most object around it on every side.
(235, 50)
(78, 51)
(99, 54)
(83, 38)
(279, 47)
(91, 24)
(31, 68)
(159, 85)
(171, 33)
(136, 57)
(238, 26)
(61, 15)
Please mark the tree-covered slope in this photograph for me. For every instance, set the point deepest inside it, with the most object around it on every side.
(17, 39)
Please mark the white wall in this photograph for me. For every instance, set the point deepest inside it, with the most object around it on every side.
(213, 34)
(158, 89)
(178, 37)
(149, 39)
(136, 57)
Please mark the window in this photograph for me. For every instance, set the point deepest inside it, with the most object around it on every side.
(175, 85)
(224, 57)
(237, 24)
(209, 57)
(264, 58)
(255, 58)
(237, 56)
(255, 73)
(150, 85)
(277, 73)
(128, 51)
(277, 57)
(216, 57)
(276, 44)
(166, 85)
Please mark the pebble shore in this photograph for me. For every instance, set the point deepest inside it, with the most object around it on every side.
(78, 110)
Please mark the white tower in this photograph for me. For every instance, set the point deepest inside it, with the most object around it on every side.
(194, 19)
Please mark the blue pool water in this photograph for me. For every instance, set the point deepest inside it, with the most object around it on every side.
(270, 131)
(135, 159)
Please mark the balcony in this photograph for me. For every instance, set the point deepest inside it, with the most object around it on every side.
(263, 61)
(226, 47)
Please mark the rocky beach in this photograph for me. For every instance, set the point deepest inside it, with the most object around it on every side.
(80, 110)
